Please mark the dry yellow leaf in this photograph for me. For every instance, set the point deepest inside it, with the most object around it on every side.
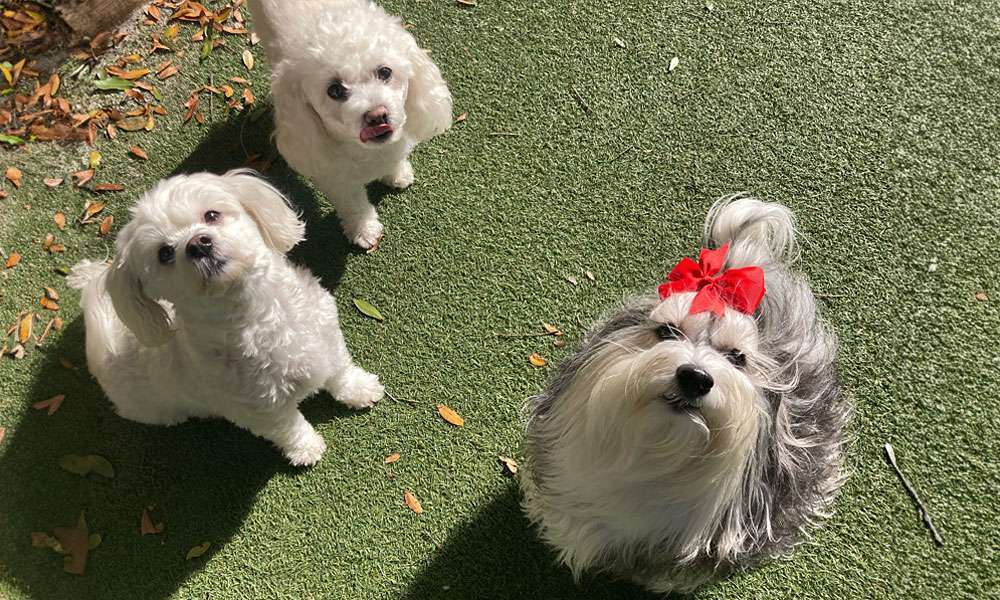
(391, 458)
(537, 360)
(13, 259)
(248, 60)
(451, 416)
(24, 327)
(48, 304)
(412, 502)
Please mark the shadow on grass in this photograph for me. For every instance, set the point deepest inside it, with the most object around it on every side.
(202, 476)
(497, 556)
(246, 142)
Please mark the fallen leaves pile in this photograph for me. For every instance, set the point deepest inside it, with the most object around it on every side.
(35, 112)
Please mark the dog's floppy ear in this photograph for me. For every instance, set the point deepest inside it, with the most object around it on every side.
(428, 101)
(143, 316)
(278, 224)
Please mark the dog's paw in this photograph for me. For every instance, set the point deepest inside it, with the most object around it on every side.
(360, 389)
(307, 451)
(402, 178)
(365, 234)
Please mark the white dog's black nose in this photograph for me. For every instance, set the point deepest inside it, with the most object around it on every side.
(377, 116)
(199, 247)
(693, 381)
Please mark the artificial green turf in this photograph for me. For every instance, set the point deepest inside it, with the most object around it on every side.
(877, 122)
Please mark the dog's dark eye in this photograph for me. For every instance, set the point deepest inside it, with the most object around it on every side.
(737, 358)
(337, 91)
(383, 73)
(212, 216)
(166, 254)
(667, 332)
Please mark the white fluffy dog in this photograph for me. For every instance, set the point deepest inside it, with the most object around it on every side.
(201, 315)
(353, 95)
(699, 430)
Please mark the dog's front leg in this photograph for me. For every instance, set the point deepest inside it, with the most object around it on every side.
(357, 215)
(401, 176)
(287, 429)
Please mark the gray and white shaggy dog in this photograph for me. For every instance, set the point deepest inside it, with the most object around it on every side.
(697, 431)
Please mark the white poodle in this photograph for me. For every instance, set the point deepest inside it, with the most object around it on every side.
(353, 95)
(201, 315)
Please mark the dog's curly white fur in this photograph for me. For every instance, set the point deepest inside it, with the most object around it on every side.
(353, 95)
(625, 476)
(201, 315)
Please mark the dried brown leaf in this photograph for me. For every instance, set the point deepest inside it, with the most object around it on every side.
(412, 502)
(13, 259)
(139, 152)
(109, 187)
(51, 294)
(52, 404)
(60, 220)
(537, 360)
(106, 224)
(76, 543)
(509, 463)
(146, 526)
(391, 458)
(52, 182)
(14, 175)
(49, 304)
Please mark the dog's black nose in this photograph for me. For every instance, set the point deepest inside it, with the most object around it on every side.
(693, 381)
(377, 116)
(199, 247)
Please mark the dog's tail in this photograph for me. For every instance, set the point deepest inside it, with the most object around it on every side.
(757, 232)
(102, 324)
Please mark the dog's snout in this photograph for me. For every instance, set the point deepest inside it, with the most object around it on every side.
(693, 381)
(199, 247)
(377, 116)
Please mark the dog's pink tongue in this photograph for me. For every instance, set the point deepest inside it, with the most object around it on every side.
(370, 133)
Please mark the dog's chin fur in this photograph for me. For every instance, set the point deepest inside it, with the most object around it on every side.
(237, 333)
(311, 43)
(621, 476)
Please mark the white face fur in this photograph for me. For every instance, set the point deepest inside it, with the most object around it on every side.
(362, 103)
(688, 382)
(190, 241)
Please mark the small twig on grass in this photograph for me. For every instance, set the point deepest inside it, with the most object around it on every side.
(621, 154)
(395, 399)
(579, 100)
(924, 513)
(504, 334)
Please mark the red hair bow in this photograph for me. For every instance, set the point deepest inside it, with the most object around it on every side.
(740, 289)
